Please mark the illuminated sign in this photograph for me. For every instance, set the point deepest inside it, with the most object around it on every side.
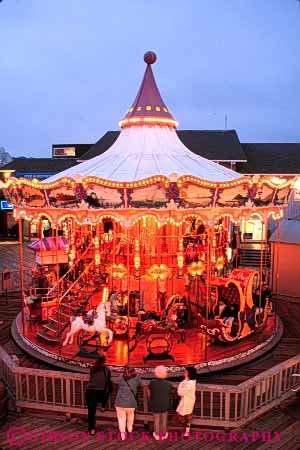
(5, 206)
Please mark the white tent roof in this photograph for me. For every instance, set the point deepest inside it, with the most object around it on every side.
(144, 151)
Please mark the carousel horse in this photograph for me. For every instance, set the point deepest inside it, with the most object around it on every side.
(115, 300)
(97, 325)
(178, 304)
(166, 326)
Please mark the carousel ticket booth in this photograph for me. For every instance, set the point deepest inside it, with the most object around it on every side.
(148, 227)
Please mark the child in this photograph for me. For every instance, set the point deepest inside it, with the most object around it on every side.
(187, 393)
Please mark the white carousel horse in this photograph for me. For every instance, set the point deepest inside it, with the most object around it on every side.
(98, 325)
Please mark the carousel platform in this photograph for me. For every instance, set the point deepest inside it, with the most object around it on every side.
(207, 355)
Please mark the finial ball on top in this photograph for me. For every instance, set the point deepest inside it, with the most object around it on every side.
(150, 57)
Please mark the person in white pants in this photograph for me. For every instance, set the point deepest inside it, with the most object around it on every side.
(126, 400)
(125, 420)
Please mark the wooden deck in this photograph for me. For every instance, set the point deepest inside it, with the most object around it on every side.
(39, 432)
(288, 309)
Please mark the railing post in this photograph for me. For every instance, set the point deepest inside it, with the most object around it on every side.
(246, 403)
(145, 405)
(227, 406)
(279, 384)
(68, 392)
(17, 378)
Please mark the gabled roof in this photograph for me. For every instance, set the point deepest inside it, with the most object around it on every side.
(45, 165)
(271, 159)
(216, 145)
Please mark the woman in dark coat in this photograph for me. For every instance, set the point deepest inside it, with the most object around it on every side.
(97, 391)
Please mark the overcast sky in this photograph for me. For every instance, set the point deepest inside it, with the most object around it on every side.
(69, 69)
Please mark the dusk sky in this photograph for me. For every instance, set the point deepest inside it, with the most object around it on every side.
(69, 69)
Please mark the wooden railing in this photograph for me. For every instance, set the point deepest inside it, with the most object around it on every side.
(14, 284)
(216, 405)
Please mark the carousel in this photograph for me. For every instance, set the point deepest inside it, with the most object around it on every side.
(148, 268)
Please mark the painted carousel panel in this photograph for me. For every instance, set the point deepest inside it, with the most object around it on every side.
(63, 197)
(194, 196)
(282, 196)
(98, 196)
(233, 197)
(13, 194)
(32, 196)
(264, 195)
(154, 196)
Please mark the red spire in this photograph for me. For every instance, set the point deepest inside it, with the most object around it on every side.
(148, 107)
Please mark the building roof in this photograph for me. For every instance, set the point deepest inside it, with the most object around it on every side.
(35, 165)
(103, 144)
(148, 145)
(271, 159)
(216, 145)
(289, 232)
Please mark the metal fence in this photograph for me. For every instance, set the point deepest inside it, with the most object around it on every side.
(216, 405)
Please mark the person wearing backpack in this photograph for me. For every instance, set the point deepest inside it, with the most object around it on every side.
(98, 389)
(126, 400)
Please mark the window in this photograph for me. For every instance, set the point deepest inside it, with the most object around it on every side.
(64, 151)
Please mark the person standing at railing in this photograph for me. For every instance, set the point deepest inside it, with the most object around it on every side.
(97, 391)
(159, 390)
(126, 400)
(187, 393)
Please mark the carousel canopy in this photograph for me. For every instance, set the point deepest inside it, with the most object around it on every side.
(148, 145)
(49, 244)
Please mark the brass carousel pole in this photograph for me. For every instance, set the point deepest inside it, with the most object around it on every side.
(262, 240)
(208, 284)
(58, 290)
(57, 265)
(277, 270)
(128, 287)
(21, 270)
(267, 272)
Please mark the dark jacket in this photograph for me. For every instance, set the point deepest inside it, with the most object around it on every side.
(160, 395)
(127, 391)
(100, 380)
